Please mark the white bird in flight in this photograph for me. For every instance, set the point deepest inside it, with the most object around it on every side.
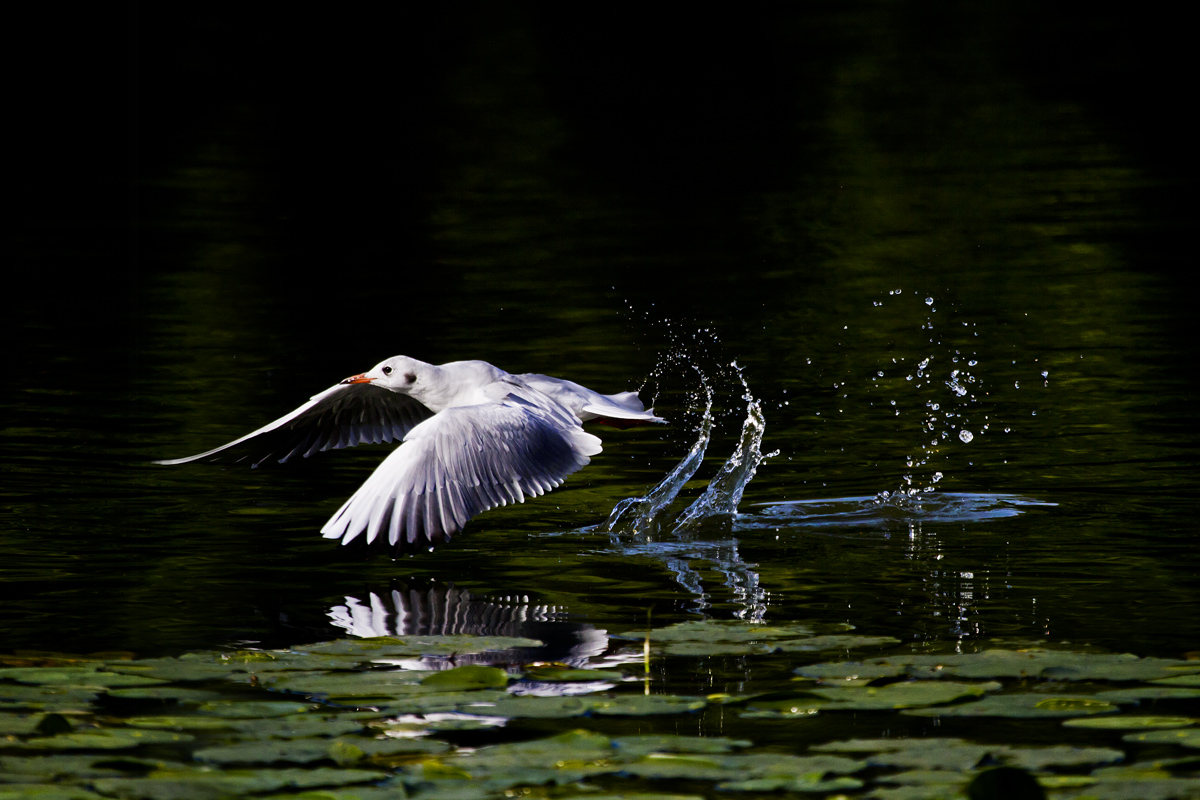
(473, 437)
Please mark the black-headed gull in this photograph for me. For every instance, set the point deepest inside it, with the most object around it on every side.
(473, 437)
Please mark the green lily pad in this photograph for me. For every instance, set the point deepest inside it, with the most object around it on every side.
(75, 767)
(849, 672)
(180, 723)
(377, 683)
(712, 630)
(834, 642)
(554, 673)
(1180, 680)
(907, 694)
(72, 676)
(883, 745)
(800, 784)
(36, 791)
(177, 670)
(644, 705)
(1040, 663)
(529, 706)
(48, 698)
(785, 704)
(1060, 756)
(235, 709)
(472, 676)
(1020, 706)
(1130, 722)
(298, 726)
(101, 739)
(635, 746)
(1187, 737)
(1136, 694)
(189, 784)
(179, 694)
(935, 754)
(295, 751)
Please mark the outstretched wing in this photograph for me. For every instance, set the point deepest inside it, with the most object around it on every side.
(462, 462)
(341, 416)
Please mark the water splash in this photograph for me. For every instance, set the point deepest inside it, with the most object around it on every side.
(724, 492)
(638, 514)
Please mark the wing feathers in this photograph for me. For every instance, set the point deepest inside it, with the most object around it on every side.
(341, 416)
(460, 463)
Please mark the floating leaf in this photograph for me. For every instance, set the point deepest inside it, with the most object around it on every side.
(1189, 737)
(34, 791)
(906, 694)
(634, 746)
(835, 642)
(934, 754)
(234, 709)
(642, 705)
(189, 784)
(1059, 756)
(1020, 706)
(1180, 680)
(1129, 722)
(556, 673)
(472, 676)
(179, 694)
(101, 739)
(71, 676)
(555, 707)
(801, 784)
(1137, 694)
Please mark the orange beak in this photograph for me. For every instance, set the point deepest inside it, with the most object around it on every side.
(359, 378)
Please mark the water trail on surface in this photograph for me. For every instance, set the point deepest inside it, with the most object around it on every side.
(724, 492)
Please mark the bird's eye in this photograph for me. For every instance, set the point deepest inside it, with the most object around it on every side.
(387, 370)
(411, 377)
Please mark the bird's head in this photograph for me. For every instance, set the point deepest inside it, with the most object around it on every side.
(398, 373)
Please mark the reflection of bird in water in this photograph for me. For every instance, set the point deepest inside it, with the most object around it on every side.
(473, 438)
(448, 610)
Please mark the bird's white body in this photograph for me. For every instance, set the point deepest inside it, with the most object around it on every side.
(473, 437)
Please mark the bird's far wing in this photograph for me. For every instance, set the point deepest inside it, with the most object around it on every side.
(341, 416)
(460, 463)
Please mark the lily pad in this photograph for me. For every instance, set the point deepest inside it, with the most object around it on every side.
(391, 646)
(1060, 756)
(1136, 694)
(188, 784)
(1129, 722)
(1180, 680)
(529, 706)
(101, 739)
(72, 676)
(36, 791)
(1020, 706)
(906, 694)
(1187, 737)
(556, 673)
(256, 709)
(179, 694)
(1047, 664)
(835, 642)
(472, 676)
(643, 705)
(634, 746)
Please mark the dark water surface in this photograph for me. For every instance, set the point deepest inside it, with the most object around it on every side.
(907, 233)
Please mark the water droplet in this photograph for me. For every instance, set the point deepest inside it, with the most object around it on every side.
(1016, 384)
(879, 373)
(928, 301)
(966, 435)
(972, 363)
